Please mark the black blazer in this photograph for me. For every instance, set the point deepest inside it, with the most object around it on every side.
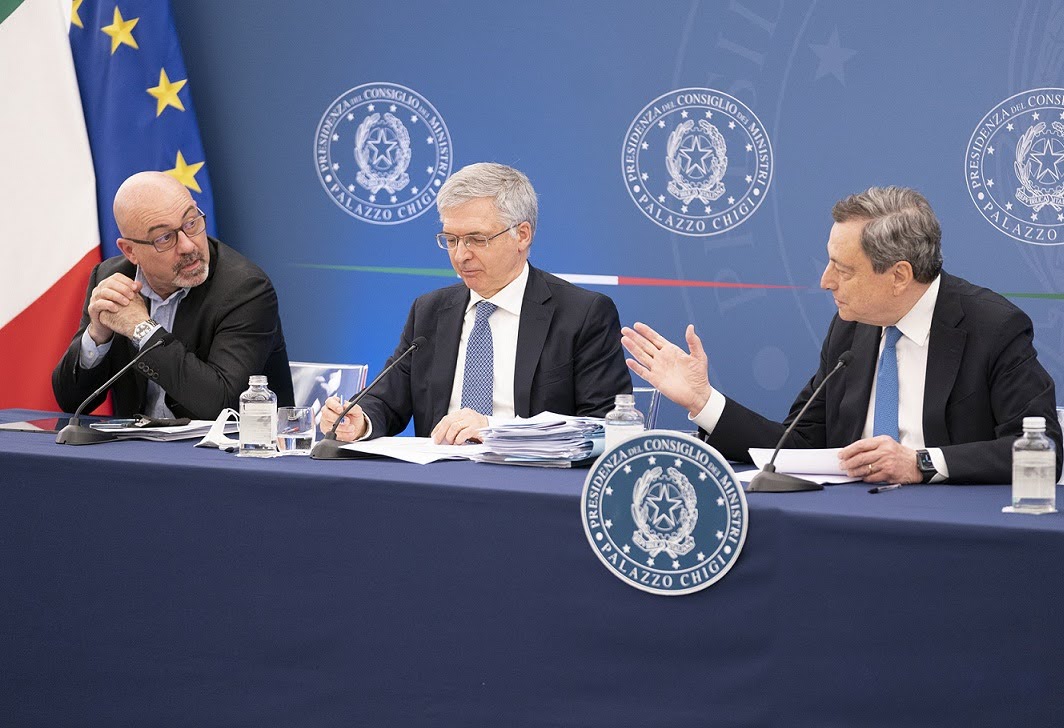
(226, 329)
(569, 357)
(983, 378)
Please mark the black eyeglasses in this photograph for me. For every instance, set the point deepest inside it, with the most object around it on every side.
(448, 241)
(192, 226)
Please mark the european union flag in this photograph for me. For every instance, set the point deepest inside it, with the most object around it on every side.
(136, 100)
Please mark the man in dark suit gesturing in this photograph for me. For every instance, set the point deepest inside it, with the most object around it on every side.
(509, 340)
(943, 372)
(215, 310)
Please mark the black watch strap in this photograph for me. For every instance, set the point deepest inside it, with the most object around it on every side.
(925, 465)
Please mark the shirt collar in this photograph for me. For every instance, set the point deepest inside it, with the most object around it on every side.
(151, 295)
(916, 325)
(509, 299)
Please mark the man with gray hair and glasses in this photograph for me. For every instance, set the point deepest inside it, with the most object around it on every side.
(942, 375)
(215, 311)
(508, 340)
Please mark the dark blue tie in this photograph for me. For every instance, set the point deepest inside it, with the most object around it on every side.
(478, 383)
(885, 421)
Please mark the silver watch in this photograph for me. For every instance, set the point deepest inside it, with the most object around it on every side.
(141, 331)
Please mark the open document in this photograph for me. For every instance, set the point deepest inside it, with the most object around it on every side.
(420, 450)
(817, 465)
(123, 431)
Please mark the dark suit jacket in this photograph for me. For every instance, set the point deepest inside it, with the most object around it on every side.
(569, 357)
(226, 329)
(983, 378)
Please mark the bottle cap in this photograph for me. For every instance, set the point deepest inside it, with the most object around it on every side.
(1034, 423)
(624, 399)
(257, 379)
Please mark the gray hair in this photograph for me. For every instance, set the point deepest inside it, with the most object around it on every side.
(901, 226)
(514, 198)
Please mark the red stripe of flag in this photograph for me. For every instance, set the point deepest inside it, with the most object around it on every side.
(630, 281)
(36, 338)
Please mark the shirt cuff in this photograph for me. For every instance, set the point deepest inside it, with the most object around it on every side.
(708, 418)
(939, 461)
(91, 354)
(368, 434)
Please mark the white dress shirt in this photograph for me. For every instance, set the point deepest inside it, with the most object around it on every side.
(505, 323)
(915, 327)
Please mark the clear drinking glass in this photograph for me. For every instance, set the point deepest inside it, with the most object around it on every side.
(295, 430)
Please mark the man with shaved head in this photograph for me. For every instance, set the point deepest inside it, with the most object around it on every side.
(215, 311)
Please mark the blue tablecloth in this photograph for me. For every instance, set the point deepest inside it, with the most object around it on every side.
(160, 584)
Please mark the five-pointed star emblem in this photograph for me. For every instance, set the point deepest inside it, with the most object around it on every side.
(664, 506)
(1048, 159)
(382, 148)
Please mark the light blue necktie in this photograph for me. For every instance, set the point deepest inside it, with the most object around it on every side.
(885, 421)
(479, 381)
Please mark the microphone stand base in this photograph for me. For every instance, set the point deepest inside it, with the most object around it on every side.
(771, 482)
(329, 448)
(82, 435)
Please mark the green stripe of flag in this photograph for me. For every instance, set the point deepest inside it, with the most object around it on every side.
(7, 7)
(434, 272)
(1050, 296)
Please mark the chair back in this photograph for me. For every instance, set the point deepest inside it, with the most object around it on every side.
(313, 383)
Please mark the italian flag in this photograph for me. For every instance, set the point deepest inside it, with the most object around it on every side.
(48, 225)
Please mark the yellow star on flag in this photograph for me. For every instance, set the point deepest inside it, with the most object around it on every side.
(166, 93)
(75, 19)
(121, 31)
(186, 173)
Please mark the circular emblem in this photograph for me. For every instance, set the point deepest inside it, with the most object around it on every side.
(697, 161)
(1014, 166)
(382, 151)
(665, 513)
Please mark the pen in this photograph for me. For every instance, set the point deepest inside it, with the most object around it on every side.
(884, 488)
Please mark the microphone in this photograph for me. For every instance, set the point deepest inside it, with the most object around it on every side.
(768, 480)
(329, 447)
(77, 434)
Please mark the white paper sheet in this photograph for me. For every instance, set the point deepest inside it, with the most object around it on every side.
(419, 450)
(195, 428)
(818, 465)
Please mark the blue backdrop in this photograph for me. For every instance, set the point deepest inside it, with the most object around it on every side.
(831, 97)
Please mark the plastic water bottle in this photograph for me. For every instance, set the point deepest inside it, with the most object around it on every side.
(1034, 470)
(623, 421)
(258, 419)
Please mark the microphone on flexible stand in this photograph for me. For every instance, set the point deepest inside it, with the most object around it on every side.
(76, 433)
(768, 480)
(329, 447)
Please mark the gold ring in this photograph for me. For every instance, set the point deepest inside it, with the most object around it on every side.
(871, 468)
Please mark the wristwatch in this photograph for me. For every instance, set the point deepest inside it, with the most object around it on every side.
(925, 465)
(142, 330)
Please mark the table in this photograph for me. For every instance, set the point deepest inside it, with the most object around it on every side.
(160, 584)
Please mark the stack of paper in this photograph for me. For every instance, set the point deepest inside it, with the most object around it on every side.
(195, 428)
(546, 440)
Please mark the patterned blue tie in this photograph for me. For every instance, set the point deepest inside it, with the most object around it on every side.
(885, 421)
(478, 384)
